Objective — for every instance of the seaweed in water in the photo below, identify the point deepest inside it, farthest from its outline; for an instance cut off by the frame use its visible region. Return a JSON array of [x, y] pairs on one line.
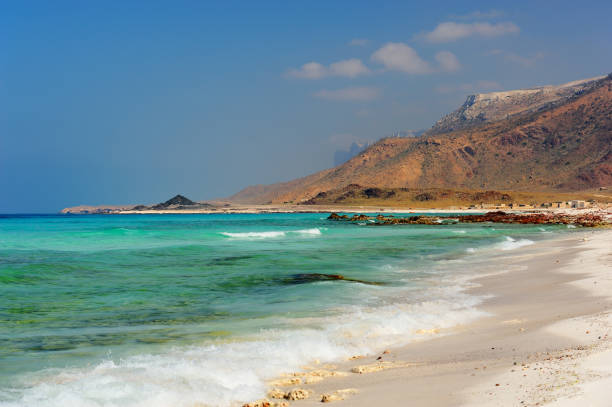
[[303, 278]]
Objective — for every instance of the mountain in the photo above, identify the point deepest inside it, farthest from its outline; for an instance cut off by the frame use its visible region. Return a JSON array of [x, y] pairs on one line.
[[488, 107], [554, 138], [177, 200]]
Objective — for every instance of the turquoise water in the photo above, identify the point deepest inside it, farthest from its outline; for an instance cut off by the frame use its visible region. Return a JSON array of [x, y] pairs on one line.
[[179, 309]]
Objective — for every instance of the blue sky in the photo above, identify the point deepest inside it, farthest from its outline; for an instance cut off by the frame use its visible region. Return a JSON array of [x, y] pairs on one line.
[[133, 102]]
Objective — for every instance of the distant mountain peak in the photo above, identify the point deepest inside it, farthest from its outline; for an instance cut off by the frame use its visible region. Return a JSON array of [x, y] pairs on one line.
[[176, 200]]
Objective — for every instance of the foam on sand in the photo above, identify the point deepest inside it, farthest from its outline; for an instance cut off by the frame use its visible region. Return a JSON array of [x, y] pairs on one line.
[[511, 243]]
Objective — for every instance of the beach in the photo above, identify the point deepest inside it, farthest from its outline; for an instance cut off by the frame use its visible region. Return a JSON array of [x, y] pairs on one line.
[[224, 309], [545, 341]]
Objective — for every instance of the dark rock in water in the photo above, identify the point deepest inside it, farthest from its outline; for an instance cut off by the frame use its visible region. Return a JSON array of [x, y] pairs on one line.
[[229, 260], [303, 278], [360, 218], [586, 220], [313, 277], [335, 216]]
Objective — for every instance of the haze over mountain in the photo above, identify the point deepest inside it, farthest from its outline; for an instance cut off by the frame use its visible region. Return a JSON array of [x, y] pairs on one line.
[[553, 138]]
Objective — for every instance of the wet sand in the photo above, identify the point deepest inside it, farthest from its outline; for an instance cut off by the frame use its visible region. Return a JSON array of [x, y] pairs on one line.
[[546, 340]]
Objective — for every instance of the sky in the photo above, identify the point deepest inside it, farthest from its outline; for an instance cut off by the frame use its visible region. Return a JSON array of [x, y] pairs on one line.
[[126, 102]]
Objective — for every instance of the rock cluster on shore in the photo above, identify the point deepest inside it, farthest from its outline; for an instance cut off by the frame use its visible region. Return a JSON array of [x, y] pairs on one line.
[[585, 220]]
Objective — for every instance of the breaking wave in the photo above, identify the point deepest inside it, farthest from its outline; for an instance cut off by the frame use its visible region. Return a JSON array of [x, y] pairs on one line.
[[273, 234], [224, 374], [511, 244]]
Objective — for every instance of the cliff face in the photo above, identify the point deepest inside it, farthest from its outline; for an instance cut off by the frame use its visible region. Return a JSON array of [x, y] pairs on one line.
[[489, 107], [532, 140]]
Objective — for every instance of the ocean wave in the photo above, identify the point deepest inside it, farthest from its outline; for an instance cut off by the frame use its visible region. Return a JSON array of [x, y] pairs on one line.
[[511, 244], [224, 374], [272, 234]]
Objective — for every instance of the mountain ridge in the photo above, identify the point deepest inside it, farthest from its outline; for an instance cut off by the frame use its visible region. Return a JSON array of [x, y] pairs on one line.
[[493, 106], [555, 143]]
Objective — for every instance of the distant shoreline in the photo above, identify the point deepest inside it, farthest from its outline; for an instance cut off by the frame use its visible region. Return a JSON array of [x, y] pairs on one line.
[[254, 209]]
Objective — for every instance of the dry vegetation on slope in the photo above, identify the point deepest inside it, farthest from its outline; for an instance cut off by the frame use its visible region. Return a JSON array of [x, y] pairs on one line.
[[567, 147], [356, 195]]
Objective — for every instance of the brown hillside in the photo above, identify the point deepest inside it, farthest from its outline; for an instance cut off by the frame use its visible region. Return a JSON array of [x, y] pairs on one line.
[[566, 147]]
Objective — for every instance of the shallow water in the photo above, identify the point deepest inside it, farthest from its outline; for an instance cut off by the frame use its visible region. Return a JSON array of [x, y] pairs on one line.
[[158, 310]]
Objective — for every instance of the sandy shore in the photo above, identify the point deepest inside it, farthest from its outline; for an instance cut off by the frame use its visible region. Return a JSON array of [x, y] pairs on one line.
[[546, 340]]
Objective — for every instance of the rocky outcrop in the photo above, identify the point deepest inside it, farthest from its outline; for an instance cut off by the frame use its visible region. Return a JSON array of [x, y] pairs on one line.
[[178, 202], [584, 220], [489, 107], [95, 210], [175, 202]]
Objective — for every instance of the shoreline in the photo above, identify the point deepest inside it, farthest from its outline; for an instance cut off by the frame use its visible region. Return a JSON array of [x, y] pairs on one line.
[[604, 211], [548, 321], [389, 207]]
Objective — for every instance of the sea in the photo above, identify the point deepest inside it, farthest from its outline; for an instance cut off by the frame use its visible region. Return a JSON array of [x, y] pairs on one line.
[[203, 309]]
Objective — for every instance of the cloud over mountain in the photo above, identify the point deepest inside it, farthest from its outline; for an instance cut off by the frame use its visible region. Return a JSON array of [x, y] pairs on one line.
[[448, 61], [397, 56], [451, 31], [349, 68]]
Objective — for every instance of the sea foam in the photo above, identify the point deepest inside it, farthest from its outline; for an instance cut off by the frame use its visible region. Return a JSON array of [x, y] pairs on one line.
[[511, 243], [223, 374], [272, 234]]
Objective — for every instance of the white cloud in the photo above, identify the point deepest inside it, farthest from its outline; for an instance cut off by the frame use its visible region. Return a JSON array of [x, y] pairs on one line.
[[359, 42], [349, 68], [310, 70], [478, 86], [398, 56], [448, 61], [451, 31], [352, 94]]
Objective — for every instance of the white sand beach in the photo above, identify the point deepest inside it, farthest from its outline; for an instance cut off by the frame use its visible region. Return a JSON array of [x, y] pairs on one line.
[[546, 341]]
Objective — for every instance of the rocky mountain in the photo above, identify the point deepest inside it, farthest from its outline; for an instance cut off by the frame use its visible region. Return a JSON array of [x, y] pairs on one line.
[[489, 107], [556, 138], [177, 202]]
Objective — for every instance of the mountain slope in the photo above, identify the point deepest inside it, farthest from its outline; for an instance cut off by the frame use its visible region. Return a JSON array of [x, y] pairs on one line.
[[489, 107], [560, 145]]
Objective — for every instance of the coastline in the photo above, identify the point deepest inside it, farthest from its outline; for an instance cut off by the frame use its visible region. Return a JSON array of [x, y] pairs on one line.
[[547, 329], [605, 212]]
